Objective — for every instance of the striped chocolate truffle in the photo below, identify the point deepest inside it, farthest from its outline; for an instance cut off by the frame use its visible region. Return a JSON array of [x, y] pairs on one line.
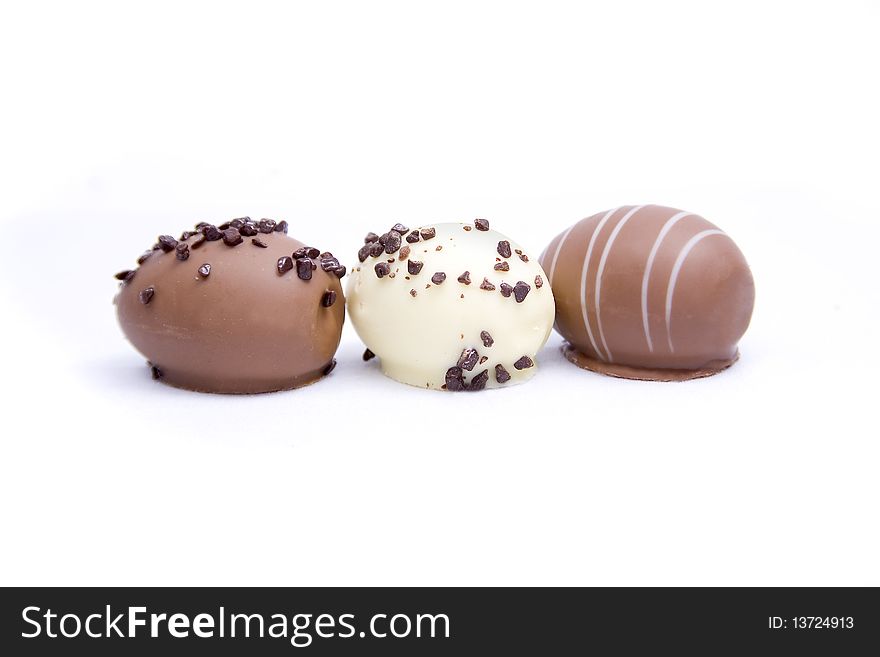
[[649, 292]]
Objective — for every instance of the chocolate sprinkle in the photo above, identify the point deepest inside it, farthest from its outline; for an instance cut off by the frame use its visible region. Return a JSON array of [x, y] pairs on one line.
[[146, 295], [281, 227], [414, 267], [312, 252], [413, 237], [392, 243], [521, 291], [413, 293], [260, 243], [487, 339], [144, 256], [539, 282], [399, 228], [284, 265], [404, 253], [330, 367], [376, 249], [304, 268], [506, 290], [167, 243], [328, 299], [300, 253], [454, 379], [368, 355], [248, 230], [370, 238], [502, 266], [428, 233], [483, 359], [198, 242], [364, 252], [486, 285], [504, 249], [501, 374], [524, 363], [465, 278], [212, 233], [382, 269], [481, 224], [468, 359], [124, 276], [523, 257], [205, 270], [438, 278], [182, 252], [479, 381], [267, 226], [231, 237], [155, 372]]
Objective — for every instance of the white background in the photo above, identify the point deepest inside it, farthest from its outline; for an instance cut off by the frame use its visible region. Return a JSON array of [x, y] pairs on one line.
[[121, 121]]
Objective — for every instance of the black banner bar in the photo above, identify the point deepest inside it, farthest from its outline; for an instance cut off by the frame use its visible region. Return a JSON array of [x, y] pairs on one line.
[[411, 621]]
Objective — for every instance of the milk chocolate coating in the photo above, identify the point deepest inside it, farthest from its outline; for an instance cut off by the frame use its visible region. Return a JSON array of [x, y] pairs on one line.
[[649, 292], [226, 318]]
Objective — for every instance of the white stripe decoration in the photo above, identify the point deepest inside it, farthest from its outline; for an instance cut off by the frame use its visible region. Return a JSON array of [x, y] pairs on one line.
[[552, 271], [673, 278], [595, 234], [650, 265], [602, 261]]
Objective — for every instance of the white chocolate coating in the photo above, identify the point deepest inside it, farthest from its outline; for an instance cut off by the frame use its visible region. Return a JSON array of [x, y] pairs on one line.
[[419, 338]]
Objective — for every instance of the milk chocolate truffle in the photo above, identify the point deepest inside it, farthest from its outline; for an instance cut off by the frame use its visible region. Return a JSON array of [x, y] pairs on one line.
[[649, 292], [452, 306], [235, 308]]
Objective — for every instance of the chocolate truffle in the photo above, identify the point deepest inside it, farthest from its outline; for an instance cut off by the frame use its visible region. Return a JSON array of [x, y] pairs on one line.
[[440, 314], [649, 292], [234, 316]]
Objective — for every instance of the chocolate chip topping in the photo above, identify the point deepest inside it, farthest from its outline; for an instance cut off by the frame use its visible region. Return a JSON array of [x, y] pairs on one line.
[[146, 295], [392, 243], [304, 268], [370, 238], [506, 290], [312, 252], [501, 374], [124, 276], [467, 229], [404, 253], [465, 278], [413, 237], [155, 372], [145, 256], [382, 269], [502, 266], [481, 224], [413, 293], [284, 265], [231, 237], [330, 367], [198, 242], [205, 270], [267, 226], [260, 243], [504, 249], [524, 363], [479, 381], [454, 379], [486, 285], [438, 278], [281, 227], [368, 355], [185, 235], [182, 252], [487, 339], [414, 267], [523, 257], [167, 243], [521, 291], [539, 282], [248, 230], [428, 233], [376, 249], [328, 299], [212, 233], [468, 359], [399, 228], [364, 252]]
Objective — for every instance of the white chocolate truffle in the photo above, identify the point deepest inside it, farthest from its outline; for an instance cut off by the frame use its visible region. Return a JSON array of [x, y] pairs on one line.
[[451, 306]]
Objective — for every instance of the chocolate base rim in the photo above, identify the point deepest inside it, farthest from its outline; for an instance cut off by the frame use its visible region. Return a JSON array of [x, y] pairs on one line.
[[618, 371], [302, 381]]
